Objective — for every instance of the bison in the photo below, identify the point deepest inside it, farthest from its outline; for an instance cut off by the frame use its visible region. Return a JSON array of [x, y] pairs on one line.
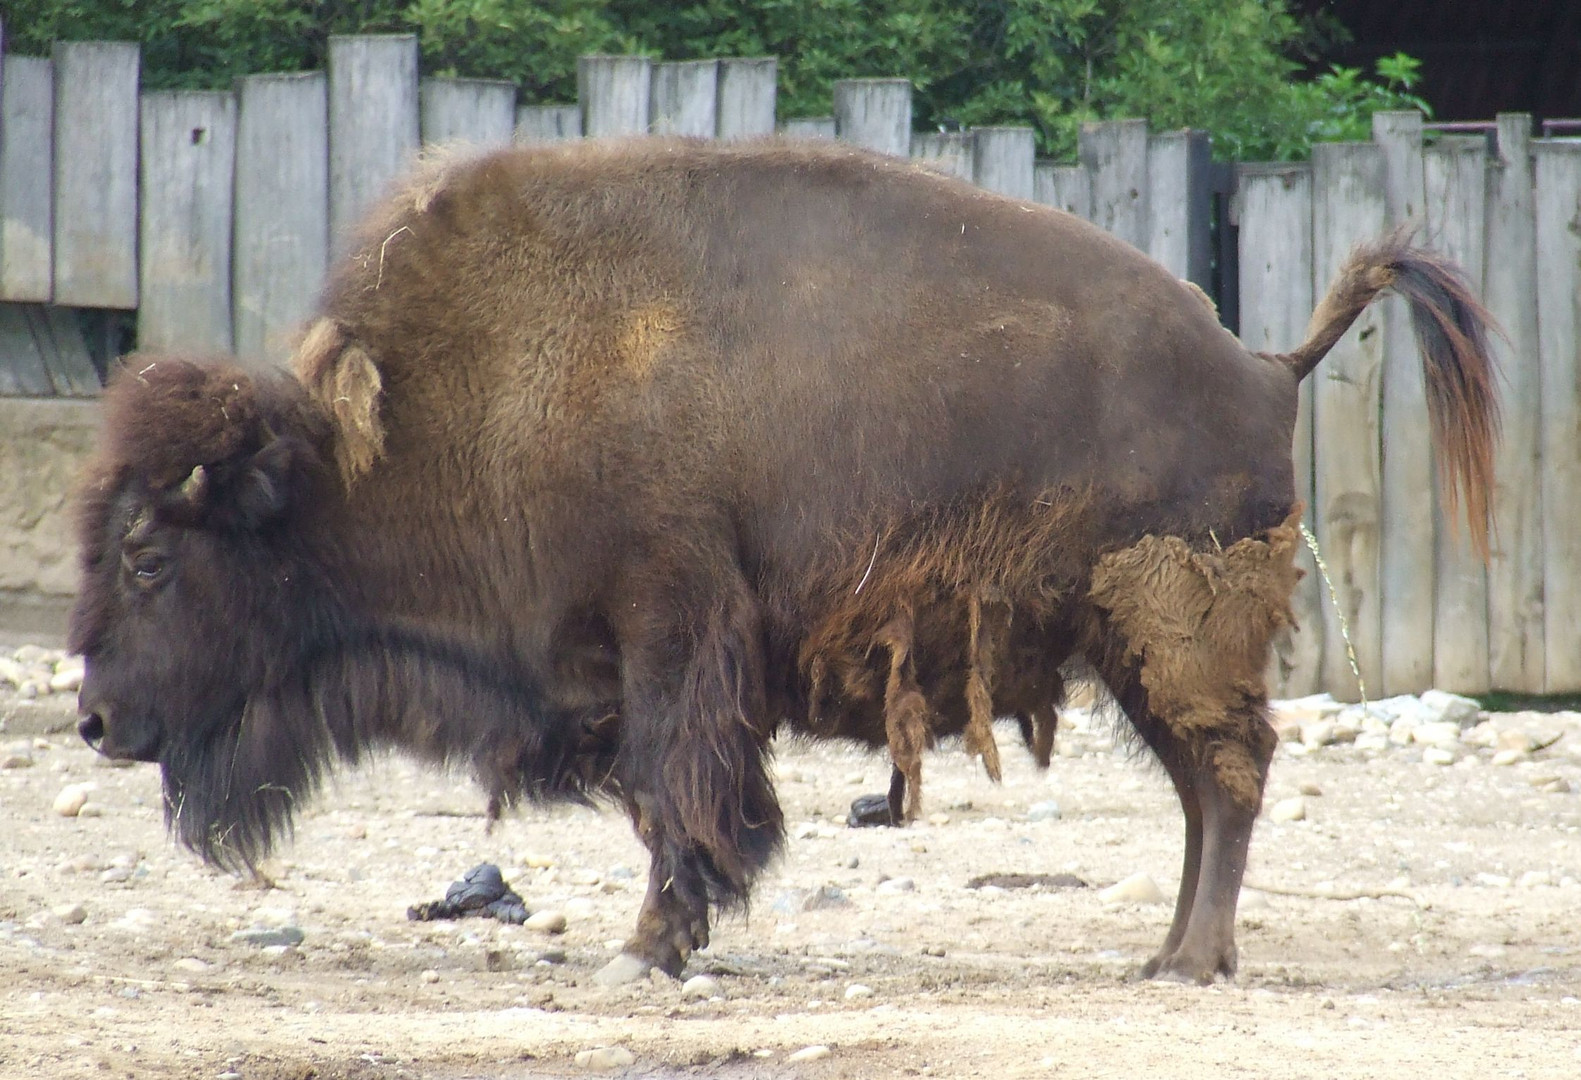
[[601, 464]]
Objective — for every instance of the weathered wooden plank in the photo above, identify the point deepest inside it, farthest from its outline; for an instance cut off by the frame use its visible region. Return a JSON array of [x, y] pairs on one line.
[[809, 127], [1455, 174], [684, 98], [1406, 531], [477, 111], [281, 237], [1068, 187], [1180, 204], [27, 163], [1347, 208], [614, 92], [548, 123], [1273, 208], [64, 349], [1003, 159], [1515, 572], [95, 189], [952, 153], [1115, 156], [22, 371], [748, 89], [1558, 209], [373, 121], [875, 113], [184, 228]]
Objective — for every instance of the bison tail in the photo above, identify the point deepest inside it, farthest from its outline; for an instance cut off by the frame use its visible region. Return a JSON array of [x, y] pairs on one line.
[[1452, 329]]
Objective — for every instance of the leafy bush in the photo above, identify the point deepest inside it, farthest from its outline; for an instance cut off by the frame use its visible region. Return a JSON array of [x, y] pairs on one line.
[[1228, 66]]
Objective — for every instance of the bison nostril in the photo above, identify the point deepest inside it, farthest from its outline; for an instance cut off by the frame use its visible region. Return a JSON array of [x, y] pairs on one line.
[[91, 728]]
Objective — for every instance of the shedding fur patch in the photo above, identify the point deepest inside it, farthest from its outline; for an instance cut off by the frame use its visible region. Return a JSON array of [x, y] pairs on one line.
[[347, 383], [979, 733], [1201, 623], [905, 711]]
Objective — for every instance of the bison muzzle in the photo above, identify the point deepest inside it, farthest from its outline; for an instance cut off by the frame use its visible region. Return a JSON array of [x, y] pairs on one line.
[[601, 464]]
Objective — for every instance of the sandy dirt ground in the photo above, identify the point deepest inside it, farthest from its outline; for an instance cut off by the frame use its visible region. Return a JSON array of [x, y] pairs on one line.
[[122, 956]]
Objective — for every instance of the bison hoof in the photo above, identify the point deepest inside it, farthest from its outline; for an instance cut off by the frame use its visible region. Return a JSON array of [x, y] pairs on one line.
[[1183, 968], [622, 970], [870, 811]]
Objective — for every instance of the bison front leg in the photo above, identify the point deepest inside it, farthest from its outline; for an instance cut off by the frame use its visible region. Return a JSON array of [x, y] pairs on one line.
[[693, 760]]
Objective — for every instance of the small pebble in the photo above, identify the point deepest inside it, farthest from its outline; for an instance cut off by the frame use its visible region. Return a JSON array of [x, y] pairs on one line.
[[1311, 789], [1437, 755], [71, 800], [808, 1053], [1509, 757], [70, 914], [897, 885], [429, 976], [940, 818], [191, 964], [605, 1059], [1291, 809], [17, 760], [1047, 810], [856, 991], [546, 922], [265, 937], [700, 986], [1136, 889], [1534, 878]]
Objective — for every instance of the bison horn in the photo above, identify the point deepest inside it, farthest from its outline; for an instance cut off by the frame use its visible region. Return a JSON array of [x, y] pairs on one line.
[[196, 483]]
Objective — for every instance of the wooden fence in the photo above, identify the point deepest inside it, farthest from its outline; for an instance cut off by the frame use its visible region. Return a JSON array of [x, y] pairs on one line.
[[214, 215]]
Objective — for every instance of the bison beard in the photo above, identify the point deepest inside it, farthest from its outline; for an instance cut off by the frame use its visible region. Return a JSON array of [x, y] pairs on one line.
[[601, 464]]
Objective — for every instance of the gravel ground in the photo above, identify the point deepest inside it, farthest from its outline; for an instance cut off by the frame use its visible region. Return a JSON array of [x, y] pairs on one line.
[[1418, 916]]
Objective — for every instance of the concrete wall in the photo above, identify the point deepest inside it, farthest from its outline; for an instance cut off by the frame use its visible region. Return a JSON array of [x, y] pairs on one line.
[[44, 443]]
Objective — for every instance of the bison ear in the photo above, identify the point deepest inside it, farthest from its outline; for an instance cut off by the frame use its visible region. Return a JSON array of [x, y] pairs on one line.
[[263, 484]]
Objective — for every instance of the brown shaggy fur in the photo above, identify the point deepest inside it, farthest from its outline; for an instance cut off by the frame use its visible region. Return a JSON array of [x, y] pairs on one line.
[[603, 462]]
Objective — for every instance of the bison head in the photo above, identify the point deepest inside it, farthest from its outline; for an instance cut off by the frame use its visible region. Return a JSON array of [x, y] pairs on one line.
[[198, 603]]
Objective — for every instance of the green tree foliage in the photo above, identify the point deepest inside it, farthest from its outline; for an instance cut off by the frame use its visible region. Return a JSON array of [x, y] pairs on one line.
[[1229, 66]]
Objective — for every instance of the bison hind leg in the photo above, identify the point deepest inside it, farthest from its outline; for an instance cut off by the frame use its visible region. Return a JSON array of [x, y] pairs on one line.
[[1185, 639]]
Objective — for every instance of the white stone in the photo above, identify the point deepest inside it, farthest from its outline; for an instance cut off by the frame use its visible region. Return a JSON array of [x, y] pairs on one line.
[[1509, 757], [547, 921], [897, 885], [70, 914], [1136, 889], [857, 990], [1533, 879], [1443, 707], [700, 986], [191, 964], [1437, 755], [623, 969], [429, 975], [72, 798], [808, 1053], [1318, 733], [605, 1059], [1047, 810], [66, 680], [1440, 733], [1493, 881], [1291, 809]]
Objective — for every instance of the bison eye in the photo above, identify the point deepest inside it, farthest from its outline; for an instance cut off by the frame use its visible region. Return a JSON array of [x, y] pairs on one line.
[[146, 565]]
